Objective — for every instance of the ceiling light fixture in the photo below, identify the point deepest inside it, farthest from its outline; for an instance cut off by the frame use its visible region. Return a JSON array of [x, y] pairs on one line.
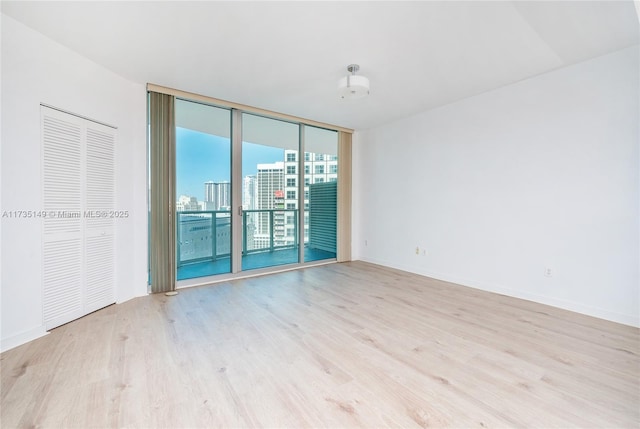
[[352, 87]]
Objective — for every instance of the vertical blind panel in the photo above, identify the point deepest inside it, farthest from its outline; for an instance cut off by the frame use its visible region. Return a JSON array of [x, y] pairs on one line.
[[62, 281], [162, 151], [344, 197], [99, 257], [62, 150]]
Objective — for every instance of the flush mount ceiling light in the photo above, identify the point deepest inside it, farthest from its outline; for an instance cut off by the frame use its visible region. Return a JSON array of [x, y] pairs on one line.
[[352, 87]]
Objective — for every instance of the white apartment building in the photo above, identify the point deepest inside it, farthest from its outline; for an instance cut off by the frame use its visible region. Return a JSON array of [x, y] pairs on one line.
[[276, 186], [217, 195], [269, 195], [249, 192], [187, 203], [318, 168]]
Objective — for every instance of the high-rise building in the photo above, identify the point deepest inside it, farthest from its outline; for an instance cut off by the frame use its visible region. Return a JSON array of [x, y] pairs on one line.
[[186, 203], [318, 168], [270, 178], [249, 192], [217, 195], [208, 193], [269, 196], [275, 186]]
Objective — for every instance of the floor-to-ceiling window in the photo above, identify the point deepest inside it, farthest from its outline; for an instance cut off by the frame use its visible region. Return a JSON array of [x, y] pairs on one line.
[[269, 189], [203, 189], [252, 191], [320, 193]]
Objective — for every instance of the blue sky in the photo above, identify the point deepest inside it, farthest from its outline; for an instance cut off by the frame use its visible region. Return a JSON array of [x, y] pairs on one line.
[[202, 157]]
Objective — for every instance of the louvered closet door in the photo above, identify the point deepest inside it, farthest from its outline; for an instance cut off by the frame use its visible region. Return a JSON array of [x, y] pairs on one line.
[[78, 233], [63, 235], [99, 218]]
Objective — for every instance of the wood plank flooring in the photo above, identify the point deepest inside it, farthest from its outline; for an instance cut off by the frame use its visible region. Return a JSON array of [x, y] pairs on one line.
[[338, 346]]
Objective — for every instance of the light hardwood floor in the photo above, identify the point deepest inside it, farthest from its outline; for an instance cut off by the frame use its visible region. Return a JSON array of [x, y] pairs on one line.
[[342, 345]]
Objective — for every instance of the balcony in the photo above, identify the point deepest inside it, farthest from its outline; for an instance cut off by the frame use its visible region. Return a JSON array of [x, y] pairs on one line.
[[269, 238]]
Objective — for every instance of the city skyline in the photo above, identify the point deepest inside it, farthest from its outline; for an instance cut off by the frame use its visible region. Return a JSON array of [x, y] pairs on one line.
[[271, 199], [202, 157]]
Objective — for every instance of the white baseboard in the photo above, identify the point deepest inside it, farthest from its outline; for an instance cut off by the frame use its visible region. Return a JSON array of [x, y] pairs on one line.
[[22, 338], [576, 307]]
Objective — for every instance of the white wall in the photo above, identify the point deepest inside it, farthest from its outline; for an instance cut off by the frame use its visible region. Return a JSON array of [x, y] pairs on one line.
[[37, 70], [498, 187]]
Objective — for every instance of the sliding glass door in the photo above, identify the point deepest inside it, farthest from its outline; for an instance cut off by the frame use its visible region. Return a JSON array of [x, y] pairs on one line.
[[203, 190], [269, 192], [252, 192], [320, 193], [289, 201]]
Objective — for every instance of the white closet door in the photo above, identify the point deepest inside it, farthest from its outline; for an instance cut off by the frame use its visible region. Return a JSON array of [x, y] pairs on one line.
[[78, 200], [100, 217], [63, 236]]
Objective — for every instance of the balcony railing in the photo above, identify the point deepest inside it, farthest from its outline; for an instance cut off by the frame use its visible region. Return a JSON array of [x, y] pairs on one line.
[[269, 230], [206, 235], [203, 235]]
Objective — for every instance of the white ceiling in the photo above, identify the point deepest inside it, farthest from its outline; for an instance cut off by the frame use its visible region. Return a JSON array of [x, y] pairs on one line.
[[288, 56]]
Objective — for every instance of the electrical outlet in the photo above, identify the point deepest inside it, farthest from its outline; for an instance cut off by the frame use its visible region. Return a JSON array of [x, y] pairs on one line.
[[366, 243], [417, 250], [548, 272]]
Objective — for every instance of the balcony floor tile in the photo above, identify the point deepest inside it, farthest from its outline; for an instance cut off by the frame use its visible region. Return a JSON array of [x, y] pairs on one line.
[[251, 262]]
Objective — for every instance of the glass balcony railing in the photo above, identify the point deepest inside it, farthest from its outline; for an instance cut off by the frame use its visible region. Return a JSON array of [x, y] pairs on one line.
[[206, 235], [203, 236], [269, 238], [269, 230]]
